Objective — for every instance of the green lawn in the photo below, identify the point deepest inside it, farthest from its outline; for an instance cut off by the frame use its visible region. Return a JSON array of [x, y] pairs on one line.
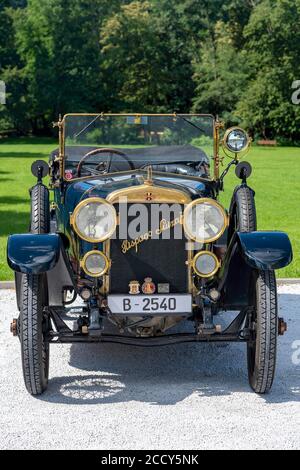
[[15, 180], [275, 179]]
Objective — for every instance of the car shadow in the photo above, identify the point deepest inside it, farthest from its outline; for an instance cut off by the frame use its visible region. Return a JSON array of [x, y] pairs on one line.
[[13, 200], [170, 374], [29, 155], [162, 376], [13, 221]]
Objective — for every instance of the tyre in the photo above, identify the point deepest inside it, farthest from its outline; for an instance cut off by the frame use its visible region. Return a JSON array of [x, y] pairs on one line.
[[40, 213], [33, 321], [33, 329], [242, 211], [263, 325]]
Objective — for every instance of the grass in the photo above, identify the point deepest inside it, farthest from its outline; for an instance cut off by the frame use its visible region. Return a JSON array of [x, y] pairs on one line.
[[16, 157], [275, 179]]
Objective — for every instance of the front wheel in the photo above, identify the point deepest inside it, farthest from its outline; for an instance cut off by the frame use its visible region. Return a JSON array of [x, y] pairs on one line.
[[33, 329], [263, 324]]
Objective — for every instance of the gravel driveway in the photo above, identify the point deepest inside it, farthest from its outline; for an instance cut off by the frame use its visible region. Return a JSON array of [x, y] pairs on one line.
[[120, 397]]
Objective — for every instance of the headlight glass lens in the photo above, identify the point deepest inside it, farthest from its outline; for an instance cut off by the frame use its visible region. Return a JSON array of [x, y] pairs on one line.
[[237, 140], [206, 264], [205, 221], [95, 220], [95, 263]]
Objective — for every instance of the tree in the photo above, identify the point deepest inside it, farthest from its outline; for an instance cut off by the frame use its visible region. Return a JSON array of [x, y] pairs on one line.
[[149, 47], [220, 73], [13, 113], [58, 42], [272, 47], [140, 60]]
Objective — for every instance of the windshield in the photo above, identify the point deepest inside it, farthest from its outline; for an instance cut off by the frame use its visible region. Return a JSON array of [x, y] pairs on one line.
[[141, 140]]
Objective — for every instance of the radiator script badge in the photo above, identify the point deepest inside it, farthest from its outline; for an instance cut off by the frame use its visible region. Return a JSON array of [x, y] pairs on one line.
[[134, 287], [163, 227]]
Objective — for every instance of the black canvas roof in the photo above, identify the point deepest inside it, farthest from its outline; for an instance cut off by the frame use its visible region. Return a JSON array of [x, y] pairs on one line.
[[146, 155]]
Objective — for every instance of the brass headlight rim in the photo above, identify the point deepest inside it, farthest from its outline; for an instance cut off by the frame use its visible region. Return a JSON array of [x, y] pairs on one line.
[[79, 207], [224, 141], [213, 203], [198, 255], [95, 252]]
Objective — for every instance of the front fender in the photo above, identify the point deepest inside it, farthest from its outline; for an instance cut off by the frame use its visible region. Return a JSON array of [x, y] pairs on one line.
[[265, 250], [33, 254]]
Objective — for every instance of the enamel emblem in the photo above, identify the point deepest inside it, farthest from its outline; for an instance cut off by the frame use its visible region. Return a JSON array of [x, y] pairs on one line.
[[148, 287], [134, 287], [149, 196]]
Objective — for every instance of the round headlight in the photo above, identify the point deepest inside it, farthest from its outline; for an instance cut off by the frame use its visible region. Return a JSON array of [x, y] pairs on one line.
[[236, 140], [95, 263], [206, 264], [205, 220], [94, 220]]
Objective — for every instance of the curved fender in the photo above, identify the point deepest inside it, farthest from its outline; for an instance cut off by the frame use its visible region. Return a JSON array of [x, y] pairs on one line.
[[265, 250], [33, 254]]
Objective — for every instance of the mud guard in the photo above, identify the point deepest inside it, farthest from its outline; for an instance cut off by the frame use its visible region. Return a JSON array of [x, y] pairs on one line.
[[33, 254], [265, 250], [249, 251], [38, 254]]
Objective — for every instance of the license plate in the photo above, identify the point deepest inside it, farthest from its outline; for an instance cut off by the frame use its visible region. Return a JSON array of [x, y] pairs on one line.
[[150, 304]]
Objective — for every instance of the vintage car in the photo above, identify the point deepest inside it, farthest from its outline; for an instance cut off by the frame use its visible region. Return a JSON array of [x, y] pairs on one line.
[[134, 231]]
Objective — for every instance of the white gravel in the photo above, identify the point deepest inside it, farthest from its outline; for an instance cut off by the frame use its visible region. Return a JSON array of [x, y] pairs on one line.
[[121, 397]]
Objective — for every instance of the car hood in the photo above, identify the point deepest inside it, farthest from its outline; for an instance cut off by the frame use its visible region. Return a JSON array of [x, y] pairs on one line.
[[103, 187]]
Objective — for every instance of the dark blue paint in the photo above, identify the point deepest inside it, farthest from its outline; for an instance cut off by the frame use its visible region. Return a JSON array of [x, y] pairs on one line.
[[33, 254], [75, 192], [100, 187], [265, 250]]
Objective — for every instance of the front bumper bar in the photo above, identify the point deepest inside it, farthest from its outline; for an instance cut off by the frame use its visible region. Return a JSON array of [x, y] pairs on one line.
[[165, 340], [63, 334]]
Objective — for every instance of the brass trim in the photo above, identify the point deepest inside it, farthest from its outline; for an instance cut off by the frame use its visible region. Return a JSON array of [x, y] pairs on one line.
[[149, 179], [224, 141], [61, 156], [106, 278], [175, 115], [138, 194], [217, 149], [141, 194], [95, 252], [213, 203], [143, 174], [212, 273], [79, 207], [61, 125]]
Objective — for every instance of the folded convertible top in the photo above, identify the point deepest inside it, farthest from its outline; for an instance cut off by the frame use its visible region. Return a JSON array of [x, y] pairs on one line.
[[140, 156]]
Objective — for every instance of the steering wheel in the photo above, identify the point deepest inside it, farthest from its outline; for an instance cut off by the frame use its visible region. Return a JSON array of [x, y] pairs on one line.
[[105, 167]]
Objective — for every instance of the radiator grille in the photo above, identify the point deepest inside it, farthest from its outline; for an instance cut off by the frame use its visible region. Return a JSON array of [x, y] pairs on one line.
[[162, 260]]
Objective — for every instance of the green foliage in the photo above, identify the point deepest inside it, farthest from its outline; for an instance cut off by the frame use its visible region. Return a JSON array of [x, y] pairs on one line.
[[220, 74], [235, 58], [272, 47], [150, 67]]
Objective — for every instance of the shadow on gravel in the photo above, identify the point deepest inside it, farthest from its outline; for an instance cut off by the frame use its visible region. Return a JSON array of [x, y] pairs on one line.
[[165, 376]]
